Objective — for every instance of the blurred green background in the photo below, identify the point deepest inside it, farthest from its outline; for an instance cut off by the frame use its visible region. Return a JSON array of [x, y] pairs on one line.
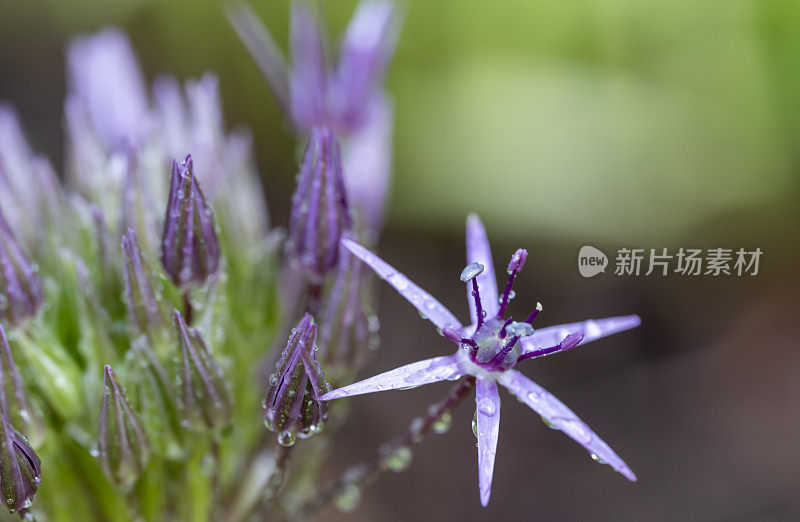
[[617, 123]]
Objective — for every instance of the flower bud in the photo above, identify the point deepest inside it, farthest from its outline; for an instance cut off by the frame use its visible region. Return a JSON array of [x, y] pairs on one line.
[[205, 395], [122, 445], [291, 406], [20, 469], [189, 245], [13, 401], [348, 327], [144, 312], [20, 287], [319, 207]]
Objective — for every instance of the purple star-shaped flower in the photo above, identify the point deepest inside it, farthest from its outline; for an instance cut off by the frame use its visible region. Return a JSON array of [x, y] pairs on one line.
[[489, 349]]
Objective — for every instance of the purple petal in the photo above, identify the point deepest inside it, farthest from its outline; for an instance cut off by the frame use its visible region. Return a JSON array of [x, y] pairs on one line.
[[556, 413], [429, 307], [105, 74], [487, 403], [309, 71], [366, 50], [263, 49], [367, 162], [478, 251], [408, 376], [592, 329]]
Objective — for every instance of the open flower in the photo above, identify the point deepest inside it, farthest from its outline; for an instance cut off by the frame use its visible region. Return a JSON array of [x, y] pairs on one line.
[[489, 349]]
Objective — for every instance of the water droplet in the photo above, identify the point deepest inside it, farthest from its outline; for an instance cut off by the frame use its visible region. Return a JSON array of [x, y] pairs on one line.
[[487, 406], [399, 459], [347, 499], [399, 281], [511, 295], [475, 423], [287, 439], [597, 458], [443, 423]]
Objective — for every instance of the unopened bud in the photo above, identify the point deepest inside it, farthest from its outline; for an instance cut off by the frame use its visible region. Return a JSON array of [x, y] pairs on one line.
[[122, 445], [13, 401], [205, 394], [291, 407], [144, 312], [348, 328], [189, 246], [20, 288], [319, 206], [20, 469]]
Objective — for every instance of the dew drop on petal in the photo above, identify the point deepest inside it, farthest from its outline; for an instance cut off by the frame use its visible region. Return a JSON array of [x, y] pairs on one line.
[[487, 406]]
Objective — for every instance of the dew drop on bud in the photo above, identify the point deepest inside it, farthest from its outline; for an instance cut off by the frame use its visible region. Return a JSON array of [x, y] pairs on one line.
[[287, 439]]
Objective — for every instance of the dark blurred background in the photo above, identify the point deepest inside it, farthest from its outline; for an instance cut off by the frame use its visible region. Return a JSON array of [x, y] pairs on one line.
[[614, 123]]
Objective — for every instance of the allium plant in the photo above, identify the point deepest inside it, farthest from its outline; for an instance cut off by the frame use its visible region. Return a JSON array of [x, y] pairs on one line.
[[143, 294]]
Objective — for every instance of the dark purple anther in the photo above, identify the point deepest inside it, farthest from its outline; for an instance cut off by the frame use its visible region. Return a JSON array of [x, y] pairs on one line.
[[189, 246], [514, 267], [569, 342], [20, 288], [320, 213], [122, 446], [205, 394], [291, 407], [20, 469]]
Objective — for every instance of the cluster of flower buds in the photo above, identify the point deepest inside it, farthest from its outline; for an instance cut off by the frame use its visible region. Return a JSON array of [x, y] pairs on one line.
[[189, 245], [292, 407], [319, 207]]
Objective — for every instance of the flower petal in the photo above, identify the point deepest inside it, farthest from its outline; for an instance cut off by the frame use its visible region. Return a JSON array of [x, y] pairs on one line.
[[263, 49], [367, 48], [308, 74], [408, 376], [592, 329], [429, 307], [478, 251], [557, 414], [487, 403]]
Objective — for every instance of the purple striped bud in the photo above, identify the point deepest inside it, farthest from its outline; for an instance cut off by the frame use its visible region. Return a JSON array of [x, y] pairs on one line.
[[205, 394], [13, 401], [319, 207], [20, 287], [189, 245], [144, 313], [291, 407], [122, 445], [348, 329], [20, 469]]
